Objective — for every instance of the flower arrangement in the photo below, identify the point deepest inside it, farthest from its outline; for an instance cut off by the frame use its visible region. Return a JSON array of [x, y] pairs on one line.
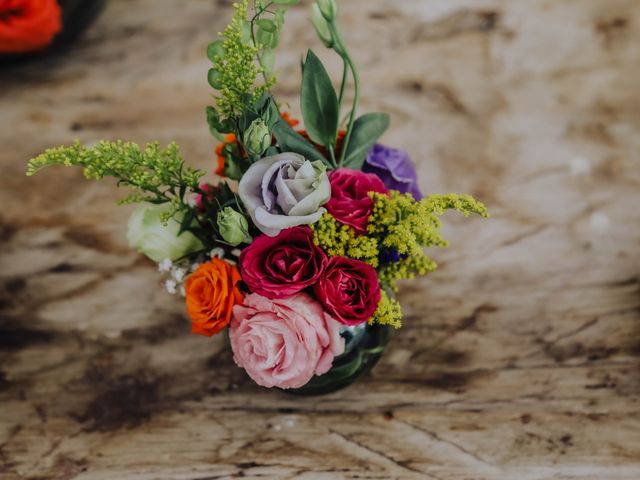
[[304, 237]]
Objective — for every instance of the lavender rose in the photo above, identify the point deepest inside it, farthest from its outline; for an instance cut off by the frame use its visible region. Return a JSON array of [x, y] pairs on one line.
[[283, 191], [395, 169]]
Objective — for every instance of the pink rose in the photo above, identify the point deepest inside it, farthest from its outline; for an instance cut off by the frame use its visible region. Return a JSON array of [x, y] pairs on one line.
[[278, 267], [284, 343], [349, 290], [350, 203]]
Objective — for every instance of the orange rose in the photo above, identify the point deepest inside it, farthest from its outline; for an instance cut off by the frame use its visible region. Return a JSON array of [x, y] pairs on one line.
[[212, 291], [28, 25]]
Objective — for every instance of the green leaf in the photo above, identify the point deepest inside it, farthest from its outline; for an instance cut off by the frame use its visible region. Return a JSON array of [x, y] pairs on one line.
[[267, 39], [319, 102], [279, 17], [267, 25], [291, 141], [286, 2], [214, 78], [245, 30], [213, 120], [268, 60], [188, 219], [215, 50], [366, 131]]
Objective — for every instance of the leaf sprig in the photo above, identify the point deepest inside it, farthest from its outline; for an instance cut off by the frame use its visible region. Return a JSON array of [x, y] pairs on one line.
[[157, 175]]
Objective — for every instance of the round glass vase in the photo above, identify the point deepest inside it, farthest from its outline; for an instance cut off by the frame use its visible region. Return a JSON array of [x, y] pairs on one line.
[[364, 345]]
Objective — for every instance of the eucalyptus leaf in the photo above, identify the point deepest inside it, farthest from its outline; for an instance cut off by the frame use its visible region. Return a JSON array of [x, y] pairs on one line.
[[246, 33], [268, 60], [319, 102], [214, 78], [267, 39], [267, 25], [215, 50], [279, 17], [366, 131]]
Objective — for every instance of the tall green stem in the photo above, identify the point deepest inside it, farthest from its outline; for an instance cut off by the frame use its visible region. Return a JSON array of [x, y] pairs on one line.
[[352, 117], [259, 11], [343, 85], [340, 48]]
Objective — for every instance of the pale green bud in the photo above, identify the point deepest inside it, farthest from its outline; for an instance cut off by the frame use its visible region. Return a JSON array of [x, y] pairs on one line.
[[157, 239], [321, 25], [257, 138], [329, 9], [233, 227]]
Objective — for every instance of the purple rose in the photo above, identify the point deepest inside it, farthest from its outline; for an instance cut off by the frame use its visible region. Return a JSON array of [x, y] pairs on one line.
[[395, 169]]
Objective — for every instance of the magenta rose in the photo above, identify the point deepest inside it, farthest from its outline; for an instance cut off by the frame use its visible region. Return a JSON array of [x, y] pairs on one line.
[[349, 290], [284, 343], [350, 203], [278, 267]]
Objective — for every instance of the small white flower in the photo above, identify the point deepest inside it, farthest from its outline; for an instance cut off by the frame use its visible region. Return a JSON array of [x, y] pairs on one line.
[[183, 291], [217, 253], [165, 265], [171, 286], [178, 274], [194, 266]]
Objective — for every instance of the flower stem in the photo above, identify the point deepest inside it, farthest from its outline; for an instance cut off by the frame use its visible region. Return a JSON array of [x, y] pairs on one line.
[[343, 85], [348, 62], [332, 154]]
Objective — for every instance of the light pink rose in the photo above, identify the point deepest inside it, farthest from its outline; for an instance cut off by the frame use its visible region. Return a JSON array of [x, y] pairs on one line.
[[284, 343]]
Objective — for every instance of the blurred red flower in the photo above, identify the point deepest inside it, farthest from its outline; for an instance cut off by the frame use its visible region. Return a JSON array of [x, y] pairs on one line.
[[28, 25]]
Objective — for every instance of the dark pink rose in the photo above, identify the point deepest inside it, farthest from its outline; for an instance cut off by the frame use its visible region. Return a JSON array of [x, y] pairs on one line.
[[349, 290], [280, 266], [350, 203]]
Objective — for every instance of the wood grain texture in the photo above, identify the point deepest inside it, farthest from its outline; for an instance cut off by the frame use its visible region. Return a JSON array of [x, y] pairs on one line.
[[519, 357]]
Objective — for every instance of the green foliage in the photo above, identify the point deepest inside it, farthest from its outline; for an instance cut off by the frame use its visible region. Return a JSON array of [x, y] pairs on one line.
[[242, 55], [234, 71], [389, 312], [366, 131], [156, 175], [337, 239], [319, 102]]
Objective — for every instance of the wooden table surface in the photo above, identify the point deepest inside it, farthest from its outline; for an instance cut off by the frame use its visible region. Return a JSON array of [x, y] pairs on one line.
[[518, 359]]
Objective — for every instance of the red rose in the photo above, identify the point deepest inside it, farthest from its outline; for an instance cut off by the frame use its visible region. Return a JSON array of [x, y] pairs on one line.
[[28, 25], [350, 203], [349, 290], [280, 266]]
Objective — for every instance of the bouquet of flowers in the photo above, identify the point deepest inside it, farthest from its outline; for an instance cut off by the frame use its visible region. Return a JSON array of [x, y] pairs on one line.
[[298, 247]]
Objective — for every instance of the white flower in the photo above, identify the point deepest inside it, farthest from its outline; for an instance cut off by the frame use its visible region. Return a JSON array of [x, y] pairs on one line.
[[217, 253], [171, 286], [283, 191], [165, 265], [148, 235], [178, 274]]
